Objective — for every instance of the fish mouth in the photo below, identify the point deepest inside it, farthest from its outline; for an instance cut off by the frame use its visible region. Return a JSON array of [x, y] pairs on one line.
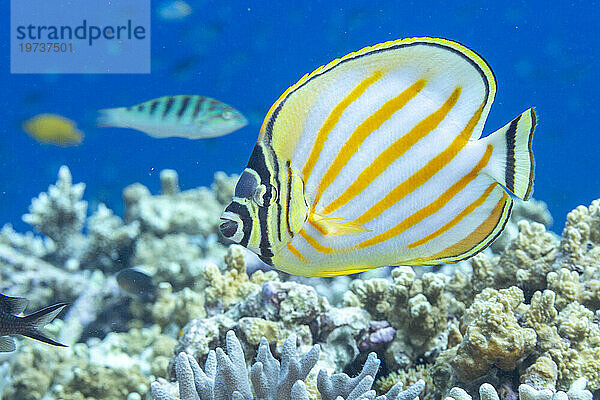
[[242, 121], [228, 227]]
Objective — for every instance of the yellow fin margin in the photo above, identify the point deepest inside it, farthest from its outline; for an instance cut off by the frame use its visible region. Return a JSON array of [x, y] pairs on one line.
[[354, 270]]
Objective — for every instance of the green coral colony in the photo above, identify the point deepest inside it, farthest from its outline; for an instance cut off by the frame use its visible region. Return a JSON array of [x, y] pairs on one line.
[[520, 319]]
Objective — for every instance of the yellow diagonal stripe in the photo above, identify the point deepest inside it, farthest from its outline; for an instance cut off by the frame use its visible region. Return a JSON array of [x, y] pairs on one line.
[[316, 245], [424, 174], [297, 253], [368, 126], [332, 120], [434, 207], [481, 233], [468, 210], [393, 152]]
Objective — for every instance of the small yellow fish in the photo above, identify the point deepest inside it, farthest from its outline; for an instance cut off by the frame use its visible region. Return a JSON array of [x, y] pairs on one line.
[[377, 159], [187, 116], [53, 129]]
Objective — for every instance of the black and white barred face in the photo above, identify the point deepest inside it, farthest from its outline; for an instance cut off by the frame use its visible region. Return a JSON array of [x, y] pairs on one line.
[[237, 225], [246, 220]]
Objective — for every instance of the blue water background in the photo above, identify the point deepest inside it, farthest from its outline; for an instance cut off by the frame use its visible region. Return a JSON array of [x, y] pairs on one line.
[[246, 53]]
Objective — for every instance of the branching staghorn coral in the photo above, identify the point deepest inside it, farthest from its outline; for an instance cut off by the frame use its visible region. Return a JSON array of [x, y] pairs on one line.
[[225, 376], [341, 386], [409, 377]]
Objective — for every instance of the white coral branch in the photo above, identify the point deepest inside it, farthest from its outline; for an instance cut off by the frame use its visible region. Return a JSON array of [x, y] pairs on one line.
[[225, 376]]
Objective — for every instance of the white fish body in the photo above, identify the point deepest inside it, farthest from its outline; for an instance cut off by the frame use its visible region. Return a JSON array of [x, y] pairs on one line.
[[187, 116]]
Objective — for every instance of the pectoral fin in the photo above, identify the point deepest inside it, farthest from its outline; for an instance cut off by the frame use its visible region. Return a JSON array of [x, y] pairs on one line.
[[335, 226]]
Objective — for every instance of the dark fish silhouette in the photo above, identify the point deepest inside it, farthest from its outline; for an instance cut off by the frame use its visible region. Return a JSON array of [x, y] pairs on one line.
[[30, 325], [137, 282]]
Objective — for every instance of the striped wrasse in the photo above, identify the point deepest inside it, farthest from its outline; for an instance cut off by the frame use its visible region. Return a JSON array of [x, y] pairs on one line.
[[187, 116], [377, 159]]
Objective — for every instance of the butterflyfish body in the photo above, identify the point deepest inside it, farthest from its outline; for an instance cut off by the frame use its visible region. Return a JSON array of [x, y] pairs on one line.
[[376, 159], [53, 129], [187, 116]]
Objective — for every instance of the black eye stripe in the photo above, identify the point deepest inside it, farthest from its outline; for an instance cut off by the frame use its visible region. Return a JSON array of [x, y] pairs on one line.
[[246, 185], [265, 195], [257, 163]]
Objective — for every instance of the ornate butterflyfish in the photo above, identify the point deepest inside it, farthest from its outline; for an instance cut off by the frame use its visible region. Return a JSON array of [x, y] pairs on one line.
[[187, 116], [377, 159]]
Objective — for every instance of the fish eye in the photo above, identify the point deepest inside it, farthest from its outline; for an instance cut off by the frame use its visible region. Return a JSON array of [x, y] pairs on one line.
[[265, 195], [226, 115]]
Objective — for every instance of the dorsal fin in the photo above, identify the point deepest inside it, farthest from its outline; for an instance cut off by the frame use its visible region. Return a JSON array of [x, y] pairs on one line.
[[13, 305], [284, 123]]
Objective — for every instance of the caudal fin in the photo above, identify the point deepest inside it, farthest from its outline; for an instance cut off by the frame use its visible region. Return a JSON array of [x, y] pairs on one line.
[[109, 117], [512, 162], [36, 321]]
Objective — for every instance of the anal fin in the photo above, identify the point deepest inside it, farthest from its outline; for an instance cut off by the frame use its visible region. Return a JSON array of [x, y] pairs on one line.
[[7, 344], [349, 271]]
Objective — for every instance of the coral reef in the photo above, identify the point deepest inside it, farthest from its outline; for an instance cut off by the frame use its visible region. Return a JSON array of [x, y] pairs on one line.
[[577, 391], [73, 261], [253, 306], [522, 317], [492, 335], [225, 376], [109, 243], [193, 212], [408, 377], [415, 308], [60, 213], [112, 368], [580, 243]]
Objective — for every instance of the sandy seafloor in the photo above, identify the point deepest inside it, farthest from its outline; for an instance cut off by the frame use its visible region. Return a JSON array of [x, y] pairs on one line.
[[519, 320]]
